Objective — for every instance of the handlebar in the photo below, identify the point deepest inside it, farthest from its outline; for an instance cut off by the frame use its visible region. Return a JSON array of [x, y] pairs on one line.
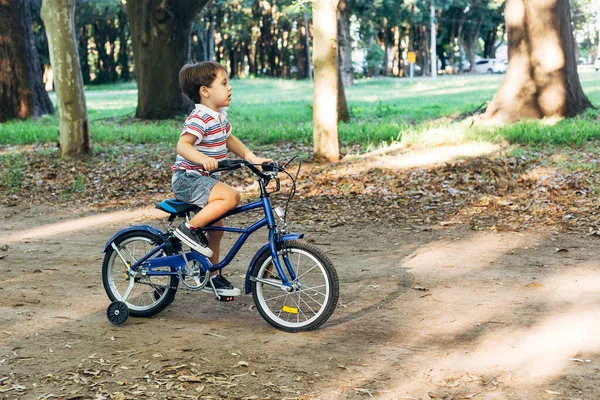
[[270, 170], [230, 165]]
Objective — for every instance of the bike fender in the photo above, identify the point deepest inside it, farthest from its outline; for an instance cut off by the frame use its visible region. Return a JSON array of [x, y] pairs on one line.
[[146, 228], [265, 248]]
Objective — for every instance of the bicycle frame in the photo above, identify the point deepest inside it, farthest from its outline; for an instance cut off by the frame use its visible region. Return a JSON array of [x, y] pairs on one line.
[[178, 261]]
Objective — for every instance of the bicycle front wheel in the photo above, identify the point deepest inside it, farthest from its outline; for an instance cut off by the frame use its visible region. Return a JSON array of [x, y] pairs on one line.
[[315, 294], [149, 294]]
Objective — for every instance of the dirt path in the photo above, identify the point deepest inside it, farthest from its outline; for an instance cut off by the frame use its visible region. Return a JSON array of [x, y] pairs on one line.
[[423, 314]]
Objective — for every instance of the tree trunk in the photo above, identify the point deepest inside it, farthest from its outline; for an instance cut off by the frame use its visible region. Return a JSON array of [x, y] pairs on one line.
[[233, 60], [22, 92], [386, 46], [250, 48], [325, 51], [452, 36], [160, 33], [423, 44], [541, 79], [397, 49], [210, 35], [105, 64], [461, 42], [345, 43], [342, 106], [82, 45], [308, 57], [300, 53], [123, 60], [472, 42], [73, 123], [489, 47]]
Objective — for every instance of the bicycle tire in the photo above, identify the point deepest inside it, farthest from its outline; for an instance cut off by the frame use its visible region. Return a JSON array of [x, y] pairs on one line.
[[305, 309], [150, 294]]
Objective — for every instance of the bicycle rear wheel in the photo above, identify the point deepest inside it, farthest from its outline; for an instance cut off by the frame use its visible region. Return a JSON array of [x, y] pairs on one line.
[[150, 294], [315, 295]]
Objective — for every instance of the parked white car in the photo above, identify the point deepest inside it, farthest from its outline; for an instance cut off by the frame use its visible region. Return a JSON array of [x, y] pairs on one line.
[[490, 66], [597, 64]]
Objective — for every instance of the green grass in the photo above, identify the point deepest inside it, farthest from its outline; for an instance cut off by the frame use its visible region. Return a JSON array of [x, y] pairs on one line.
[[383, 111]]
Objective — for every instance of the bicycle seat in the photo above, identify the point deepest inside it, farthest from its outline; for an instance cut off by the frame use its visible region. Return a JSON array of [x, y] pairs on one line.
[[178, 207]]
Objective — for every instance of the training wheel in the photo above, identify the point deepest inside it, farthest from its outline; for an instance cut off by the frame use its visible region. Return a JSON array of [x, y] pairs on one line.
[[117, 312]]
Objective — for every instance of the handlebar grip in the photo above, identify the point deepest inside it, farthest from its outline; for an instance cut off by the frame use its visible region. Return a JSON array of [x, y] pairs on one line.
[[233, 164], [271, 166]]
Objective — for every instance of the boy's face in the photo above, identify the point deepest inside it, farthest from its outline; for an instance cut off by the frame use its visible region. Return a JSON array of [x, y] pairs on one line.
[[218, 95]]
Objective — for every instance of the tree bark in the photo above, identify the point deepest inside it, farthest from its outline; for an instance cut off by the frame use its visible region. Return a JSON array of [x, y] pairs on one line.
[[461, 42], [22, 92], [308, 57], [210, 35], [386, 45], [452, 36], [73, 123], [541, 79], [82, 44], [489, 47], [123, 60], [345, 43], [472, 39], [160, 33], [342, 106], [300, 53], [325, 52]]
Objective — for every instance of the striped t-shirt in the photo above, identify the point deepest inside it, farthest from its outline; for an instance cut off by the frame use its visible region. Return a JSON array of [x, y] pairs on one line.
[[211, 129]]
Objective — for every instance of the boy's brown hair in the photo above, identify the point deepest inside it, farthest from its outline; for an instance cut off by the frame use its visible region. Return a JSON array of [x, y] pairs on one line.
[[193, 76]]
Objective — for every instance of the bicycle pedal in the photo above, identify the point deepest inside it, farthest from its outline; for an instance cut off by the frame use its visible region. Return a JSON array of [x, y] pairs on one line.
[[225, 298]]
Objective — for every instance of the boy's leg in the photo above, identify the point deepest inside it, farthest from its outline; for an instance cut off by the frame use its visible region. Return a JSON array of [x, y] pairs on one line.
[[222, 199], [214, 242]]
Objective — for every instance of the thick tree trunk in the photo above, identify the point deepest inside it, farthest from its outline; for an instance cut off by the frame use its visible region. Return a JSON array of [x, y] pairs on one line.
[[345, 43], [22, 92], [160, 33], [73, 123], [541, 79], [325, 52]]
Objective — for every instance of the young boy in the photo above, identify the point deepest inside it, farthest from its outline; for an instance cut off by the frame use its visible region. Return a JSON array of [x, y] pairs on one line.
[[204, 140]]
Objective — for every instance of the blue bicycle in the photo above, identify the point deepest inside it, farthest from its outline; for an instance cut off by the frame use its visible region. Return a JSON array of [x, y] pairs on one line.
[[294, 285]]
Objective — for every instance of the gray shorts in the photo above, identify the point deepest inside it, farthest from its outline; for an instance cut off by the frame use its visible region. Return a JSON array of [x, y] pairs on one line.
[[192, 188]]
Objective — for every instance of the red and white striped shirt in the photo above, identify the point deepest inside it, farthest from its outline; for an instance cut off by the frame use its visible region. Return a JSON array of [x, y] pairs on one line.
[[211, 129]]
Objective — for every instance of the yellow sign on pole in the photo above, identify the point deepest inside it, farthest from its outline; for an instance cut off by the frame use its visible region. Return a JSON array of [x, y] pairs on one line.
[[411, 57]]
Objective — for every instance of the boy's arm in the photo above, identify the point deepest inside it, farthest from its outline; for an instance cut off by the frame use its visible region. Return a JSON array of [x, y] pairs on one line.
[[185, 148], [239, 149]]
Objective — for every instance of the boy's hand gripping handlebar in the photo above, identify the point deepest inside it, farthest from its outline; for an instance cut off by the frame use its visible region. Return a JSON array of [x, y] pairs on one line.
[[230, 165]]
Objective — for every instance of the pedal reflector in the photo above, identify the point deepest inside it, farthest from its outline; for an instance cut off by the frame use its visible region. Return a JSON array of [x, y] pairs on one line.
[[291, 310], [226, 298]]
